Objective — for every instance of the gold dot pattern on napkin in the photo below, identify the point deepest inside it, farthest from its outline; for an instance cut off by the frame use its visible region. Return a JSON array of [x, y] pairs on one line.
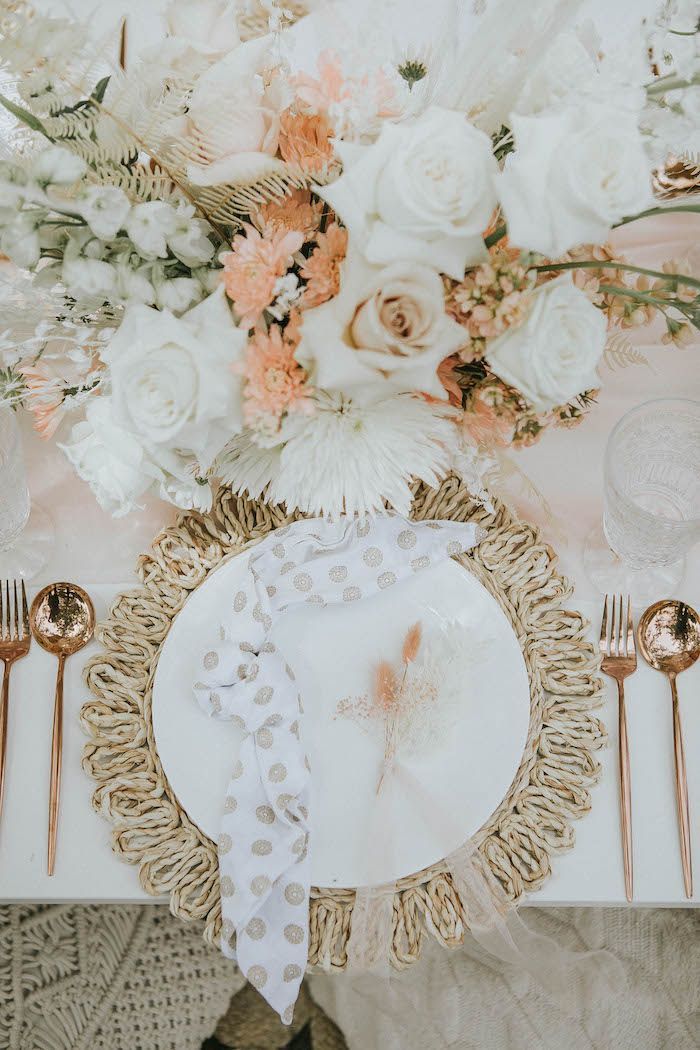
[[266, 836]]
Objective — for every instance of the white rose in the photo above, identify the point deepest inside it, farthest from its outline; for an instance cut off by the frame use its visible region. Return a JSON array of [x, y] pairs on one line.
[[576, 171], [110, 459], [424, 192], [57, 167], [20, 240], [173, 383], [385, 333], [149, 225], [88, 278], [552, 356], [105, 209], [208, 26], [233, 119]]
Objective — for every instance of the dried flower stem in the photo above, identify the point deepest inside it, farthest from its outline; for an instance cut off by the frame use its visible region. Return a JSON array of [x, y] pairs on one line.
[[390, 693], [596, 264]]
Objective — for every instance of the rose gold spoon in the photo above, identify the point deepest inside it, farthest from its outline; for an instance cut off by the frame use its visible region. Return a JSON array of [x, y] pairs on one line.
[[63, 620], [669, 637]]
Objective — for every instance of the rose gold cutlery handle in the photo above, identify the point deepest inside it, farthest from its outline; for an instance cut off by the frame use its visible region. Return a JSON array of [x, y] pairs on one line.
[[682, 793], [56, 757], [4, 704], [625, 792]]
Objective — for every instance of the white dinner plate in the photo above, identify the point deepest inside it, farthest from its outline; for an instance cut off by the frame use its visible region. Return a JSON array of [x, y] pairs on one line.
[[440, 792]]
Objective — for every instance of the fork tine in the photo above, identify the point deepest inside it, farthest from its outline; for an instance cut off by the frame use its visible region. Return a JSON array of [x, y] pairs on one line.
[[631, 644], [6, 615], [603, 644], [15, 609], [2, 614], [622, 637], [25, 611], [613, 628]]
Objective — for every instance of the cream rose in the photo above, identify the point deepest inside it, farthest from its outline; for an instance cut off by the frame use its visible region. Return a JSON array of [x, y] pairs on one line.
[[385, 333], [424, 192], [576, 171], [173, 385], [552, 356]]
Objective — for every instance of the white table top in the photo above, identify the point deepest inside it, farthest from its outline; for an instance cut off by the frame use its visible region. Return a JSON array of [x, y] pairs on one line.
[[99, 553]]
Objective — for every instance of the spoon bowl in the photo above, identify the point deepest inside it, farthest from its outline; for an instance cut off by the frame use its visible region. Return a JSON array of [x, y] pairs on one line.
[[669, 638], [63, 618], [63, 621]]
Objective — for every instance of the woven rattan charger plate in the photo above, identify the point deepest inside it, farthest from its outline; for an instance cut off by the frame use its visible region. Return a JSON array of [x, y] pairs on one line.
[[532, 822]]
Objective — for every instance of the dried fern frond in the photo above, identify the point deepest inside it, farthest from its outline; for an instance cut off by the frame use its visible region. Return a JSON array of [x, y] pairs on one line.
[[619, 353]]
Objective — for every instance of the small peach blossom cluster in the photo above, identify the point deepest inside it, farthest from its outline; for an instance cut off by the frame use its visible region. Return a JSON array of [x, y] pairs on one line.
[[679, 333], [491, 298], [351, 103], [609, 287], [286, 260], [620, 311], [332, 103]]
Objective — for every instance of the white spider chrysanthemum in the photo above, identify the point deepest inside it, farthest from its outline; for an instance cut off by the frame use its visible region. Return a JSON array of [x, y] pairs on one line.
[[347, 458], [246, 467]]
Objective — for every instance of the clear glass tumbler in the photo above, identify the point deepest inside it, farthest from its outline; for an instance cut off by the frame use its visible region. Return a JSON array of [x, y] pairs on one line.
[[651, 514], [26, 534]]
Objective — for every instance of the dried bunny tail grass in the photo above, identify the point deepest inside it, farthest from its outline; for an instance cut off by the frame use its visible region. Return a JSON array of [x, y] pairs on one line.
[[386, 686], [411, 643], [532, 823]]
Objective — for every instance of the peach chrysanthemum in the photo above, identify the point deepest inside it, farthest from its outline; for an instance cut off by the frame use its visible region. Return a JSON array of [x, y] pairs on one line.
[[297, 213], [44, 398], [322, 269], [275, 381], [253, 267], [306, 141]]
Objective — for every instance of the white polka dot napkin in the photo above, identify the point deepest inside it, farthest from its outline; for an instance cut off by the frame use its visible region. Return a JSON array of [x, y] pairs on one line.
[[264, 861]]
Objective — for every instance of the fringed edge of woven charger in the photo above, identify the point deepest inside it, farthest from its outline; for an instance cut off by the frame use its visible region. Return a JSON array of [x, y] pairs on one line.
[[533, 821]]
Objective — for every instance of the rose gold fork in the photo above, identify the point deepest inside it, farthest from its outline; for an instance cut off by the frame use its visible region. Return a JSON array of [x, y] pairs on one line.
[[620, 661], [15, 639]]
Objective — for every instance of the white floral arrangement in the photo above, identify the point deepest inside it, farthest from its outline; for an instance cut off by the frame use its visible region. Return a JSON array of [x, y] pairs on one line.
[[357, 247]]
